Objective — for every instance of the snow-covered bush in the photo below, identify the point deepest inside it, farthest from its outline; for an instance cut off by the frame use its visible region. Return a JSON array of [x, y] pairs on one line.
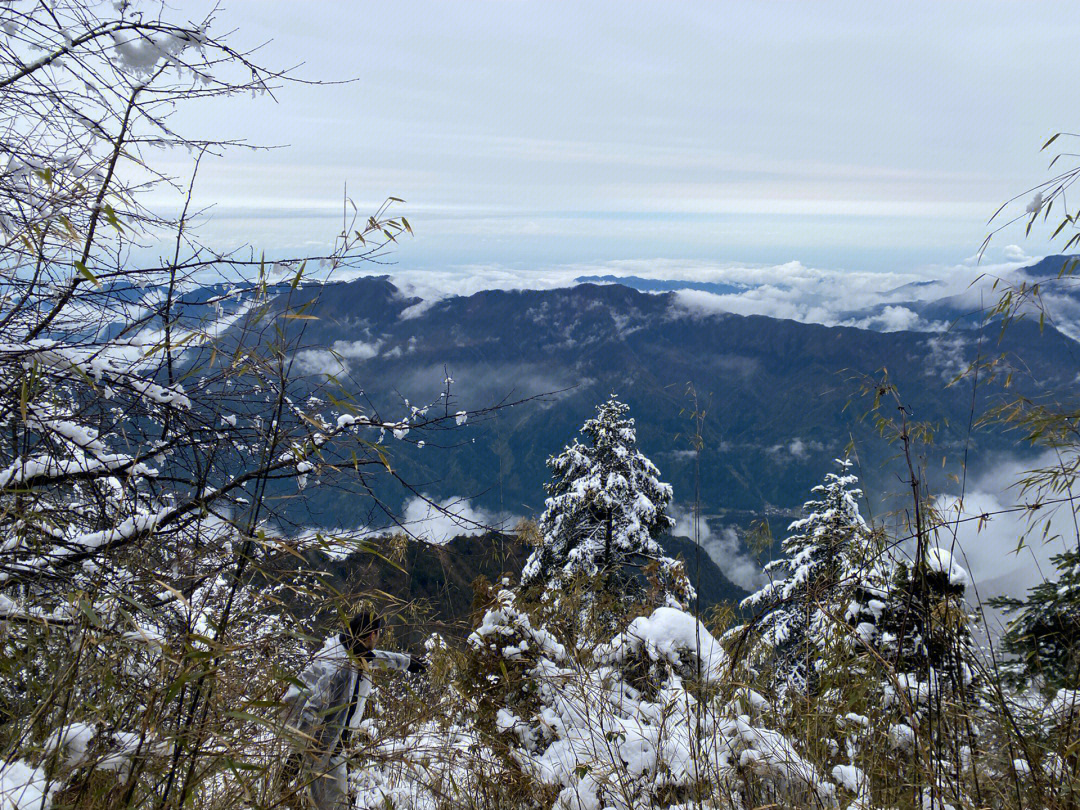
[[504, 650], [647, 718], [23, 787]]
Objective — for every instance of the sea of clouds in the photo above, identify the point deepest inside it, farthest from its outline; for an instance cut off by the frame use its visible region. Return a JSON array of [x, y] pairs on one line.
[[792, 290]]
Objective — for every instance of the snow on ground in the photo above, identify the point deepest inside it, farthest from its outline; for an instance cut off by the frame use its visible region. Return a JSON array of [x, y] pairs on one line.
[[23, 787]]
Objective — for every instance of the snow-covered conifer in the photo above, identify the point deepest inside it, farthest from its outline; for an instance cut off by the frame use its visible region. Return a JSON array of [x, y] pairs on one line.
[[1044, 633], [823, 558], [606, 509]]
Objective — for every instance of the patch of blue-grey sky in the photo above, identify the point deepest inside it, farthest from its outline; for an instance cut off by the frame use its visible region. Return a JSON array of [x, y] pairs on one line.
[[862, 137]]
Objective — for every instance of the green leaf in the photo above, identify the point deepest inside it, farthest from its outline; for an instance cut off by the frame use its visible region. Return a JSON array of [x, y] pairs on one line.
[[24, 398], [251, 718], [110, 217], [88, 610], [85, 273], [236, 765], [74, 234], [298, 276]]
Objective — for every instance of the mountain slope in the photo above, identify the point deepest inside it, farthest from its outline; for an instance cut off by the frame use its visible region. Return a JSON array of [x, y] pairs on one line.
[[781, 398]]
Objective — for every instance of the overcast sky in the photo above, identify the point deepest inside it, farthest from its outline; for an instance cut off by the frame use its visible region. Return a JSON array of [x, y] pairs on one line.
[[849, 136]]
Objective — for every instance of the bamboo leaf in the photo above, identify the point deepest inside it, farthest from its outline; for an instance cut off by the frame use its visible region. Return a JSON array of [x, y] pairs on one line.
[[85, 273], [110, 217], [298, 276]]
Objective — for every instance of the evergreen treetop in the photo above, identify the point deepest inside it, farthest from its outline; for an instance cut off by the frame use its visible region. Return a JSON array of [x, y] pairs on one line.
[[606, 505], [807, 581], [1044, 634]]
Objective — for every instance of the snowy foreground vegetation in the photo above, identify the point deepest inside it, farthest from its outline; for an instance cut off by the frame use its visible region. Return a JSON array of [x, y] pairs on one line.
[[155, 608], [855, 680]]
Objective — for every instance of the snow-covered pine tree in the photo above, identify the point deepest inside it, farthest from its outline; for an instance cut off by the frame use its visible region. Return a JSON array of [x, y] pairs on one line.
[[1044, 634], [606, 509], [822, 562]]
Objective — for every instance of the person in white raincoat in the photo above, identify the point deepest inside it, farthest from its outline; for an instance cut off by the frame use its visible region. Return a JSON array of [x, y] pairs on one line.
[[336, 687]]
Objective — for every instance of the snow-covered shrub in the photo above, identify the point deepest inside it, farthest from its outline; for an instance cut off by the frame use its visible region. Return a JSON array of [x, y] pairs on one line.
[[23, 787], [645, 718], [667, 642], [504, 649]]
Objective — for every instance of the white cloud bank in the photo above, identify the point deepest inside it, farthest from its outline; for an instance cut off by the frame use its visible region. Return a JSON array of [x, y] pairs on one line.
[[791, 290], [439, 522], [826, 296], [1005, 553], [725, 549], [797, 449], [336, 360], [1015, 253], [422, 517]]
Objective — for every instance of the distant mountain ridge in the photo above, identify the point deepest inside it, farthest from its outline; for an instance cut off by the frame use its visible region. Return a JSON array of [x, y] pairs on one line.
[[663, 285], [782, 398]]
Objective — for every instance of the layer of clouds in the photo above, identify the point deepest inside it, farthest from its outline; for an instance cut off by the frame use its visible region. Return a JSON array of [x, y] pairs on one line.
[[792, 290], [336, 360], [440, 521], [797, 449], [897, 319], [318, 362], [1015, 253], [946, 356], [724, 548], [1005, 552], [828, 296], [422, 517]]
